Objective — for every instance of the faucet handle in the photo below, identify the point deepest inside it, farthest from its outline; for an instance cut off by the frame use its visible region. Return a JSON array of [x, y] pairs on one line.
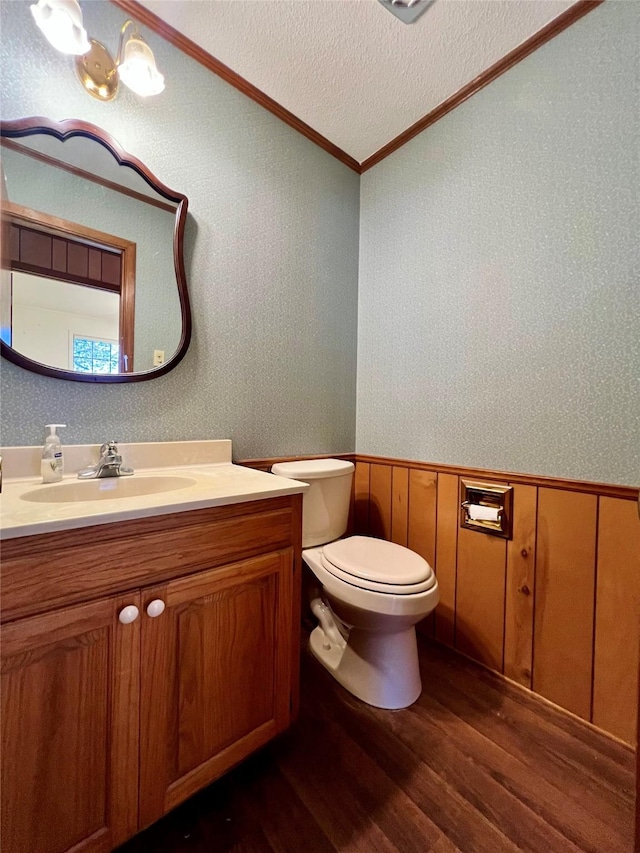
[[108, 447]]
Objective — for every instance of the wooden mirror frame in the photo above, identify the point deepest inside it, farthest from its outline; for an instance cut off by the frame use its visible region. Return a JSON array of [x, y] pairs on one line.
[[64, 130]]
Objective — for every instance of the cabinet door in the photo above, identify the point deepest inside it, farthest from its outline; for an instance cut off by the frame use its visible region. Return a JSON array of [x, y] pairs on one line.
[[70, 699], [215, 675]]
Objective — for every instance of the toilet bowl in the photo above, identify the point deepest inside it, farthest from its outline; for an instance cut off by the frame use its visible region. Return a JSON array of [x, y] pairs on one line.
[[371, 592]]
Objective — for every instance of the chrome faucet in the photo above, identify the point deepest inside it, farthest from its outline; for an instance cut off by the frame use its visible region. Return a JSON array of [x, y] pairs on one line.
[[109, 465]]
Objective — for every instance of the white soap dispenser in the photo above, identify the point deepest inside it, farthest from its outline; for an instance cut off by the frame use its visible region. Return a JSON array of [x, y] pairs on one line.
[[52, 465]]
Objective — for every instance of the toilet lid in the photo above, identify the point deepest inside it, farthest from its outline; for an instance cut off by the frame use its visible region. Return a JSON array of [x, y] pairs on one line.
[[378, 565]]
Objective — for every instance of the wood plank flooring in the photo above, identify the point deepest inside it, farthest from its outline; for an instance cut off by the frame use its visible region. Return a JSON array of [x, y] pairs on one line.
[[476, 765]]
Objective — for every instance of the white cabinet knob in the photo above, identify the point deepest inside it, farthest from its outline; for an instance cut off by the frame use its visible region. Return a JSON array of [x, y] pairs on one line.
[[128, 614], [155, 607]]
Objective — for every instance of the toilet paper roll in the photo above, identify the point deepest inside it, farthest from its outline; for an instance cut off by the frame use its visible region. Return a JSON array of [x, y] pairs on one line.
[[483, 513]]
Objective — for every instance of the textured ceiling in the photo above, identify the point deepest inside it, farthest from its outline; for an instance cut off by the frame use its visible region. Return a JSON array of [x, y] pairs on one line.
[[349, 68]]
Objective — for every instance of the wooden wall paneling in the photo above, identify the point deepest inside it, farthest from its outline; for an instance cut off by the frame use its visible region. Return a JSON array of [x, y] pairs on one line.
[[361, 498], [446, 555], [519, 601], [637, 847], [399, 504], [423, 498], [564, 598], [421, 526], [611, 490], [380, 501], [541, 584], [480, 597], [617, 632], [351, 521]]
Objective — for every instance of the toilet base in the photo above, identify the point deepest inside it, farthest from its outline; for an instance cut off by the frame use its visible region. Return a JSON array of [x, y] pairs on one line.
[[381, 669]]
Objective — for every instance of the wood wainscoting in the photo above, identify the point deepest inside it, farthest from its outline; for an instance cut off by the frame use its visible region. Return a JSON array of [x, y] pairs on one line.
[[554, 609]]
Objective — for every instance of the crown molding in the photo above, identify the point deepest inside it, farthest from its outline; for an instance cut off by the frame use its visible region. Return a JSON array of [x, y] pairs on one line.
[[151, 20], [548, 32]]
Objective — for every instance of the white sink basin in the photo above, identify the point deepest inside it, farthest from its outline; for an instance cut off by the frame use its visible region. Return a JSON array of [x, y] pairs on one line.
[[106, 489]]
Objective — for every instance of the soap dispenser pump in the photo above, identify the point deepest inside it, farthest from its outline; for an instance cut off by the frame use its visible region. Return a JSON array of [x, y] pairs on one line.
[[52, 465]]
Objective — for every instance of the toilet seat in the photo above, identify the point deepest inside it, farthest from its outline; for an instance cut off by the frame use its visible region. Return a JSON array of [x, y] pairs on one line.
[[378, 566]]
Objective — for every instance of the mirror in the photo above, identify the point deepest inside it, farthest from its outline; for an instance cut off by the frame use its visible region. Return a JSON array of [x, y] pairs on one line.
[[92, 279]]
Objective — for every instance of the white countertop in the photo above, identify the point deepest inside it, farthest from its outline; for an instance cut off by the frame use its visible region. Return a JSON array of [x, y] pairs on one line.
[[213, 484]]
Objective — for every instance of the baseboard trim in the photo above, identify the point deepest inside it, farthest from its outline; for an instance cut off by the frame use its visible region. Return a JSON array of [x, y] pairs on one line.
[[526, 691]]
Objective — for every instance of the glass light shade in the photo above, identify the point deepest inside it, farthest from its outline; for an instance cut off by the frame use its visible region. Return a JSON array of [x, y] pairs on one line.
[[61, 23], [138, 68]]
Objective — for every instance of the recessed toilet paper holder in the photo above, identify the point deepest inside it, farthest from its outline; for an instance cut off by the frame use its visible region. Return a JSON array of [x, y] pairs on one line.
[[487, 508]]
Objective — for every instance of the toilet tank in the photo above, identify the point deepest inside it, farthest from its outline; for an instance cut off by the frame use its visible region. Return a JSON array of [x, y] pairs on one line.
[[325, 507]]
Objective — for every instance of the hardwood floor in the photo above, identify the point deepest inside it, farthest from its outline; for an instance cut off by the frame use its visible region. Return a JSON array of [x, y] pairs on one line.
[[476, 765]]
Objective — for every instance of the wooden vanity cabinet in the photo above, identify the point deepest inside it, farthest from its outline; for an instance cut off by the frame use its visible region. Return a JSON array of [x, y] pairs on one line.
[[107, 726], [216, 675], [70, 685]]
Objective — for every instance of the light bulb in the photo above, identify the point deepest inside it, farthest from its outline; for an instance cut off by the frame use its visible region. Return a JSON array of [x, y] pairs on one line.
[[138, 69], [61, 23]]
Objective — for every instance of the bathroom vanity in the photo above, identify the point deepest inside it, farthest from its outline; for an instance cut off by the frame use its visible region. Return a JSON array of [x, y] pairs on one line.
[[143, 657]]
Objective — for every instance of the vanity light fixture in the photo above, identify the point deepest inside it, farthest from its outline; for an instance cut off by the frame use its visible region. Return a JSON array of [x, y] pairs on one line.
[[97, 70], [407, 10], [135, 65]]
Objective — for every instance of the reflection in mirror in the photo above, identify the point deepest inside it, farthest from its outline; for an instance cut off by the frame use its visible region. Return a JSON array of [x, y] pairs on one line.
[[86, 332], [92, 284]]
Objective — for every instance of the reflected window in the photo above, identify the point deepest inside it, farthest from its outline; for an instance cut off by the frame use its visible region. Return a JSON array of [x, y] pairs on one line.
[[54, 265], [92, 355], [46, 316]]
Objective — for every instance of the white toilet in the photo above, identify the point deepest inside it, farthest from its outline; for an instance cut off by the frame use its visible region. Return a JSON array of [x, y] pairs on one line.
[[373, 592]]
